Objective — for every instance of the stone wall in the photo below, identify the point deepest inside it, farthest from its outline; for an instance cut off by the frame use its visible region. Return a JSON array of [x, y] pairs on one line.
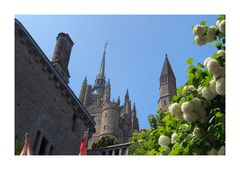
[[44, 105]]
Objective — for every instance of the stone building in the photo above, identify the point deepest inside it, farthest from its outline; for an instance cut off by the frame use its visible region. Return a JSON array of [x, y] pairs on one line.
[[45, 106], [112, 119], [167, 84]]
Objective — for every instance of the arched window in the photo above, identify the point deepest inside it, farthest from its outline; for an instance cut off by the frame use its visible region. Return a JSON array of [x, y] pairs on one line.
[[165, 78]]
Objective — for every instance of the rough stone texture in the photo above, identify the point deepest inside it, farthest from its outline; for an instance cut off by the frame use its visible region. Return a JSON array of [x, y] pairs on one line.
[[44, 104]]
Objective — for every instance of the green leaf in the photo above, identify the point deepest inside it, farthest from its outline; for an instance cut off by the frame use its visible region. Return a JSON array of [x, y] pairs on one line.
[[203, 23], [222, 17], [189, 61], [190, 76], [219, 114], [219, 45], [200, 65]]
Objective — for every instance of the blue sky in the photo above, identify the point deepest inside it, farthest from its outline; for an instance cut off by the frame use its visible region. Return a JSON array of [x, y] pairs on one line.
[[135, 53]]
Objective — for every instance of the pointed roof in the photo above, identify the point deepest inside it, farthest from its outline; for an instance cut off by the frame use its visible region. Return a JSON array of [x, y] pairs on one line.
[[102, 67], [134, 107], [167, 69], [126, 95], [85, 80]]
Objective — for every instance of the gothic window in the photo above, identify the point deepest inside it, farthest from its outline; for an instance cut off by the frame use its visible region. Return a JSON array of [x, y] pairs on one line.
[[105, 127], [165, 78], [41, 145], [106, 115], [164, 102], [36, 141]]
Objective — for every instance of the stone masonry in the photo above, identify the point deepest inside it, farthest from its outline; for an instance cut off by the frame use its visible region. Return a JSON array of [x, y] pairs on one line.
[[45, 106]]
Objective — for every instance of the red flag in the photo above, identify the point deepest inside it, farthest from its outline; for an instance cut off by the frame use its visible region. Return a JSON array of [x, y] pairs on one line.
[[27, 147], [83, 146]]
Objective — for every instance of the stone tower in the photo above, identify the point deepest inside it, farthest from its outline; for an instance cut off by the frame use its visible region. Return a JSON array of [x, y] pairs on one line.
[[62, 54], [109, 116], [167, 84], [112, 119]]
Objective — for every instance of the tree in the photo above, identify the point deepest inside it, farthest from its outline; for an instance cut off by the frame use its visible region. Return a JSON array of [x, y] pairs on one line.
[[194, 123], [103, 142]]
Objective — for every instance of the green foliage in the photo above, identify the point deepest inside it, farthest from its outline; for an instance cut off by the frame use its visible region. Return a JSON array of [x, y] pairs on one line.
[[103, 142], [203, 23], [189, 61], [222, 17], [152, 120], [211, 129]]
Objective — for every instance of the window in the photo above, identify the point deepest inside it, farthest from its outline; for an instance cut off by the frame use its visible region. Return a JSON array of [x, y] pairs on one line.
[[165, 78], [41, 145], [36, 141], [164, 102], [106, 115], [105, 127]]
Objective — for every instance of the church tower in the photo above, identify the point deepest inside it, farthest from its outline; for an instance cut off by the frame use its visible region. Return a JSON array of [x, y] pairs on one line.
[[100, 81], [62, 54], [167, 84]]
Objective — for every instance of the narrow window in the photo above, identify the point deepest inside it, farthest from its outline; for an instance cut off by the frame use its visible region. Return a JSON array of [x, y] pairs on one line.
[[43, 146], [36, 142], [165, 102]]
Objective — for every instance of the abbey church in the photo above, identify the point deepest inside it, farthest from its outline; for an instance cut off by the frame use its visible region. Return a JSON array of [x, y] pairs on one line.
[[112, 119]]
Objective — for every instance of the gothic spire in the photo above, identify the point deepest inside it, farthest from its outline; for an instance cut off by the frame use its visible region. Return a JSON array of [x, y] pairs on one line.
[[99, 86], [126, 96], [167, 69], [83, 90], [102, 67], [134, 108]]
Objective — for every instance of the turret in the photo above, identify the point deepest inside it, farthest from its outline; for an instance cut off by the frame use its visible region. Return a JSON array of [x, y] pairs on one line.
[[62, 54], [127, 104], [83, 90], [87, 97], [107, 94], [134, 119], [110, 120]]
